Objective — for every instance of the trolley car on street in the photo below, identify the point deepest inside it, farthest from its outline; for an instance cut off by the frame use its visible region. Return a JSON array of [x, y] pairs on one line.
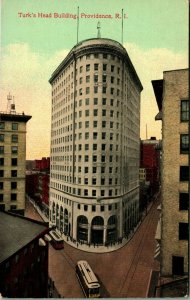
[[56, 241], [87, 279]]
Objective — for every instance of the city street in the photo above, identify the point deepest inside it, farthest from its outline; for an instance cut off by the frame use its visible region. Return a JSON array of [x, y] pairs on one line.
[[122, 273]]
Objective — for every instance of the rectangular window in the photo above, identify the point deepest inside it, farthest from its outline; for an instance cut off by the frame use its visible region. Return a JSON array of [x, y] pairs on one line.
[[14, 138], [1, 173], [103, 124], [88, 78], [104, 101], [14, 126], [86, 147], [104, 89], [1, 185], [93, 181], [2, 125], [110, 192], [112, 91], [95, 135], [87, 90], [94, 147], [103, 159], [87, 113], [102, 206], [102, 192], [80, 80], [13, 173], [1, 197], [184, 143], [81, 69], [95, 66], [102, 181], [86, 124], [104, 67], [14, 161], [1, 149], [14, 149], [88, 67], [86, 135], [185, 110], [183, 201], [13, 197], [103, 147], [87, 101], [1, 161], [112, 79], [86, 158], [102, 169], [13, 185], [1, 137], [95, 89], [95, 101], [95, 112], [85, 180], [94, 158], [112, 68], [104, 78], [183, 231], [103, 112], [103, 135], [94, 169], [95, 124], [184, 173], [93, 206], [95, 78]]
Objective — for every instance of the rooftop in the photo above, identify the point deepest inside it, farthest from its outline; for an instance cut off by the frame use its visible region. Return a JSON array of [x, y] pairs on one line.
[[16, 232], [5, 116]]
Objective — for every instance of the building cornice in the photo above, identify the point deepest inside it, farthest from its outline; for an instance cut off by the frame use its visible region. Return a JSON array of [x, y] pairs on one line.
[[113, 48]]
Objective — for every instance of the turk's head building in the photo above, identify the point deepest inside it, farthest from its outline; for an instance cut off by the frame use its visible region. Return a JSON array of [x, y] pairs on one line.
[[95, 136]]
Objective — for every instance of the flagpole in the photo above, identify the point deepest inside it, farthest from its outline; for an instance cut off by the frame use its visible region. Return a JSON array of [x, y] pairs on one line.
[[77, 24], [122, 28]]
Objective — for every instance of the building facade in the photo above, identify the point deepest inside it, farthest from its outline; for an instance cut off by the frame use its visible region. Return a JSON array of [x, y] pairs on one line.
[[23, 257], [95, 130], [172, 97], [12, 161], [150, 163]]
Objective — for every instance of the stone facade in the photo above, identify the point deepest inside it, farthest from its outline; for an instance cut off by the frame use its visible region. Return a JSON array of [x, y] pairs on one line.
[[12, 161], [94, 184], [175, 173]]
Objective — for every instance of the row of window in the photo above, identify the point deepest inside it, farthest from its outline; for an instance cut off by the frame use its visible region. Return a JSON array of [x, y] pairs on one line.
[[14, 149], [86, 192], [13, 197], [104, 147], [13, 173], [14, 138], [14, 161], [97, 78], [13, 185], [88, 56], [14, 126], [93, 208]]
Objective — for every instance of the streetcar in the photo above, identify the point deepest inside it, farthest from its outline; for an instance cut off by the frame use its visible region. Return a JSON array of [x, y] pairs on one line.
[[87, 279], [56, 241]]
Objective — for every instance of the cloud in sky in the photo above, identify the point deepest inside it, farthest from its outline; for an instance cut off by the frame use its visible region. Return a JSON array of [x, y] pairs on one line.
[[25, 75]]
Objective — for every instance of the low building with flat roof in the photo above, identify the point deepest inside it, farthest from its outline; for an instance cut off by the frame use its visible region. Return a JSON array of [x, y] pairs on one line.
[[23, 257]]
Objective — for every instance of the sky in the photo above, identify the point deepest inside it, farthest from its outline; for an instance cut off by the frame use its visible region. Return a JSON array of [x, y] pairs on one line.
[[155, 35]]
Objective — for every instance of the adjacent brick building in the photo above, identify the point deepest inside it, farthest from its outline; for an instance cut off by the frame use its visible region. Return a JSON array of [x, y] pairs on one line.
[[172, 96], [37, 182], [23, 257]]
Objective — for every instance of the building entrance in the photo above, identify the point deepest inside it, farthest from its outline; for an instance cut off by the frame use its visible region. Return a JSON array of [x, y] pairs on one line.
[[97, 236]]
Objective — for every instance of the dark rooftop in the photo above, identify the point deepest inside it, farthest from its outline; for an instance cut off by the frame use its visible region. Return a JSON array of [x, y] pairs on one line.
[[16, 232], [158, 91], [4, 116]]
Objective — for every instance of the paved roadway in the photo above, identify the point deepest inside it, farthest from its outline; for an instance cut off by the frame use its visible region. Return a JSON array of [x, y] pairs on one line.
[[123, 273]]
